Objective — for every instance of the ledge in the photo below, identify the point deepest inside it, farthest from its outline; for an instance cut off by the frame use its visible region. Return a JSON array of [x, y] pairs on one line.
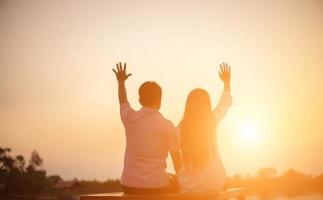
[[237, 193]]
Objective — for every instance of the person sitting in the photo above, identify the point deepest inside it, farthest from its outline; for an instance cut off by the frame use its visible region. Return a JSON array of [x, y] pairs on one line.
[[202, 169], [149, 138]]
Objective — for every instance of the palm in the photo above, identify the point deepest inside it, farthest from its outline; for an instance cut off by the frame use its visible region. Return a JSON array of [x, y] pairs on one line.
[[225, 72], [121, 73]]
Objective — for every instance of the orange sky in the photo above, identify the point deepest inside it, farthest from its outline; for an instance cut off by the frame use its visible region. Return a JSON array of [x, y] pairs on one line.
[[58, 94]]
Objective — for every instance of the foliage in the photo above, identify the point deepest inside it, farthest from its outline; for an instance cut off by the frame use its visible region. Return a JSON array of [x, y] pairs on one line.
[[289, 183], [17, 178]]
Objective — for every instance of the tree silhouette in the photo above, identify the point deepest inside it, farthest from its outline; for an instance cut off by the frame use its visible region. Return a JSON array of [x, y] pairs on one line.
[[16, 178], [36, 162], [267, 173]]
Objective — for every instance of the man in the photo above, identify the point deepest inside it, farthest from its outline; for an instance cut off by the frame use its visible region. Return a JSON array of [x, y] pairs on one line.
[[149, 138]]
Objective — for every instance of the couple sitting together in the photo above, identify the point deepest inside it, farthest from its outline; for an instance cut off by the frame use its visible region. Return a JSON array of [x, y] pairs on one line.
[[192, 144]]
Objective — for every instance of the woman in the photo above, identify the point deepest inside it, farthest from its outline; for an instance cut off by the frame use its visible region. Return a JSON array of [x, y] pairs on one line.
[[202, 169]]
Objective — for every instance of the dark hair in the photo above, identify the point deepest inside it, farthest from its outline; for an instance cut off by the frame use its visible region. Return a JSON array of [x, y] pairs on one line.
[[197, 130], [150, 94]]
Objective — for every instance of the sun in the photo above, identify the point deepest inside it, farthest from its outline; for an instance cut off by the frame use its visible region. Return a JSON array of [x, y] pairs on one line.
[[249, 132]]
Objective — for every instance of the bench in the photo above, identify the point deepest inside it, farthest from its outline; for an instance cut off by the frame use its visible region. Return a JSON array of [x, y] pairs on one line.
[[234, 193]]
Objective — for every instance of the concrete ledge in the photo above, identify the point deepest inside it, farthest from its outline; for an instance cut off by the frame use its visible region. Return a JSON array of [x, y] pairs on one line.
[[237, 193]]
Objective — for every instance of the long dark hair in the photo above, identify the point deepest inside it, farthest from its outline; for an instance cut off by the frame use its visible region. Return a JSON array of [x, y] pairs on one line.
[[197, 129]]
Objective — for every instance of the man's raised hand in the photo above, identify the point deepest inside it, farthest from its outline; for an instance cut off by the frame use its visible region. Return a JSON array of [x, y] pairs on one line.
[[121, 73], [225, 73]]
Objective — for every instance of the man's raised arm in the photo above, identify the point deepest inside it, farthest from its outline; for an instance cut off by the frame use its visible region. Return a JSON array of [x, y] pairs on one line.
[[121, 77]]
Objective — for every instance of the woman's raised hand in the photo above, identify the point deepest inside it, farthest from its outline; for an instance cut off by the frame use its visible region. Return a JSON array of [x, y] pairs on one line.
[[225, 73]]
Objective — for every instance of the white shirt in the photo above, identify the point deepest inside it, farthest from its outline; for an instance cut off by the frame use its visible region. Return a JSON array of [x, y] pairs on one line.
[[212, 177], [149, 137]]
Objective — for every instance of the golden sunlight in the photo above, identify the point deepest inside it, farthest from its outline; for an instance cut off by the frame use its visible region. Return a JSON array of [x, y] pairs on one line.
[[249, 132]]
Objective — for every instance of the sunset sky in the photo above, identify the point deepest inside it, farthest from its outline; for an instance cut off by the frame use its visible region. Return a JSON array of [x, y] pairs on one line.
[[58, 94]]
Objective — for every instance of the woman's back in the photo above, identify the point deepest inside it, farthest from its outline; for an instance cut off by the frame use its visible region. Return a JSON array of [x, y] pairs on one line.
[[202, 169], [210, 177]]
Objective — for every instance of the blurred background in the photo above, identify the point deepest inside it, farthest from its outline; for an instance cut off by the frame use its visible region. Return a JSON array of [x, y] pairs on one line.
[[58, 94]]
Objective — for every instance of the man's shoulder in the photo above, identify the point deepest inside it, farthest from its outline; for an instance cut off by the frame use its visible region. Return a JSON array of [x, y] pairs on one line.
[[163, 118], [126, 112], [167, 123]]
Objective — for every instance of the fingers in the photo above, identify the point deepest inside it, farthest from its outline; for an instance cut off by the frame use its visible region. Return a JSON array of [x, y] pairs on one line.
[[220, 74], [225, 68], [225, 71], [120, 66], [118, 69], [228, 68], [221, 71]]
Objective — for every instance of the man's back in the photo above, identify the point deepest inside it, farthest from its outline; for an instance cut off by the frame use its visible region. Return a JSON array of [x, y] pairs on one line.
[[149, 138]]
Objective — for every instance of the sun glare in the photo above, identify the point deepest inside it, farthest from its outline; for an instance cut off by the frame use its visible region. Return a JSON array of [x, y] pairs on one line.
[[249, 132]]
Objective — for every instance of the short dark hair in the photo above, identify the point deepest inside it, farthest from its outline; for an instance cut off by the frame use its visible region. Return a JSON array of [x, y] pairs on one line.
[[150, 94]]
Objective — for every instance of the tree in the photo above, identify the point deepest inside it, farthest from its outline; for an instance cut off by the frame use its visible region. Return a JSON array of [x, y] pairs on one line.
[[35, 174], [6, 161], [267, 173], [16, 178], [20, 162], [36, 162], [53, 179], [12, 172]]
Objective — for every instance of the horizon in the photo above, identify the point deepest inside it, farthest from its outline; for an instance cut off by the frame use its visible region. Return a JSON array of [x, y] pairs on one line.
[[58, 94], [269, 172]]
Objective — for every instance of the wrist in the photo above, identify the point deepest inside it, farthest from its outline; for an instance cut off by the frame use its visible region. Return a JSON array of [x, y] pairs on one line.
[[121, 82], [227, 86]]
